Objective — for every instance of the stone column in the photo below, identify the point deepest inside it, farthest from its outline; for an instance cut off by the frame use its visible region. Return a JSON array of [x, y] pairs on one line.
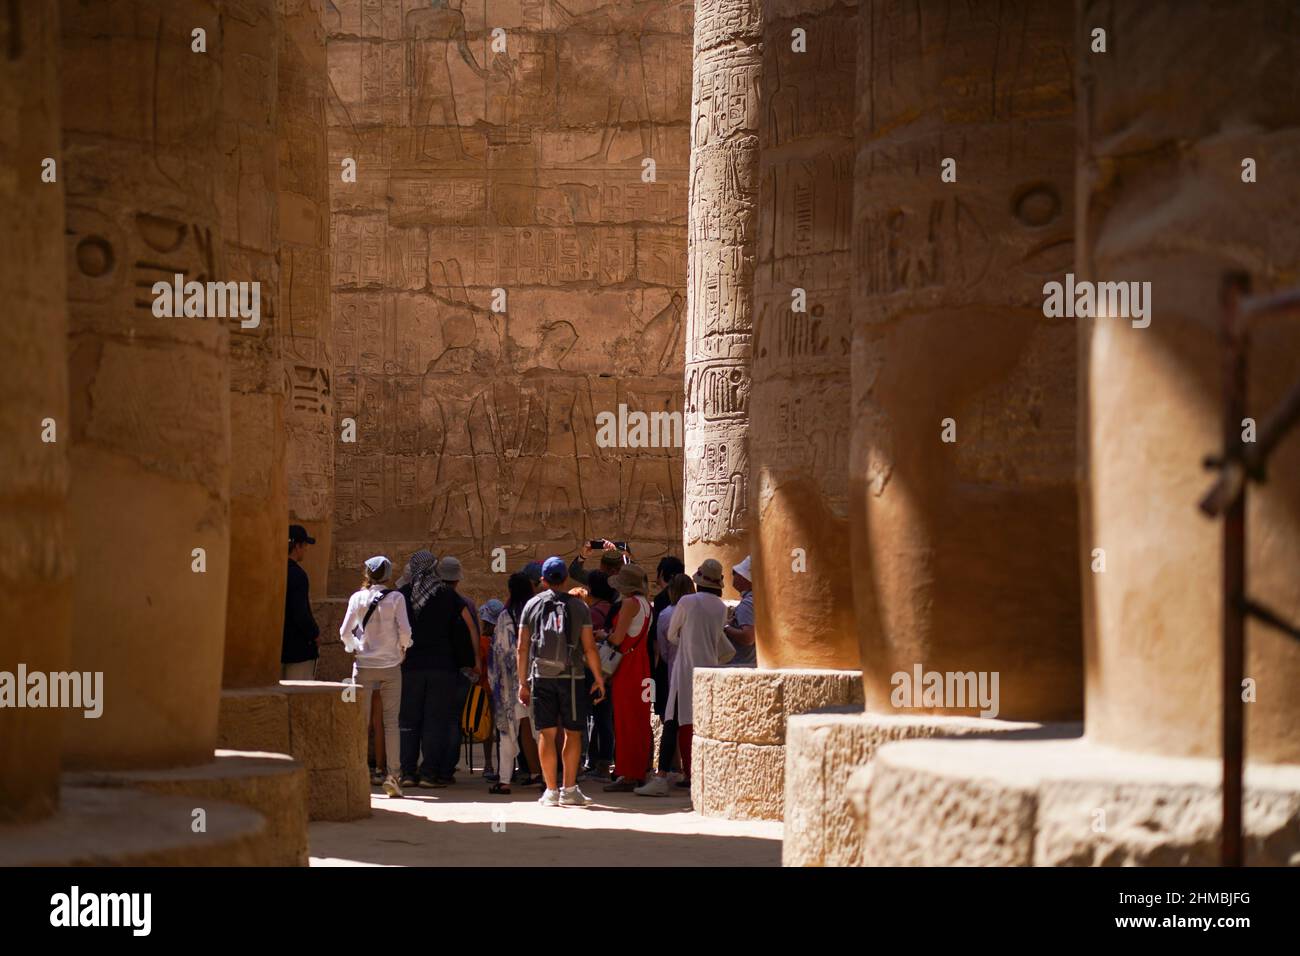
[[282, 202], [798, 458], [723, 228], [304, 320], [1154, 629], [147, 438], [36, 558], [1167, 121], [964, 513], [798, 449], [249, 210], [150, 414], [964, 394]]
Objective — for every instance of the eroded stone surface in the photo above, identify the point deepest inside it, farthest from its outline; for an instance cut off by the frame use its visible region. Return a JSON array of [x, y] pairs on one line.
[[799, 405], [1064, 802], [112, 826], [1164, 203], [319, 727], [723, 213], [272, 784], [748, 705], [35, 542], [150, 408], [249, 207], [824, 750], [738, 760], [305, 326], [972, 543], [519, 170]]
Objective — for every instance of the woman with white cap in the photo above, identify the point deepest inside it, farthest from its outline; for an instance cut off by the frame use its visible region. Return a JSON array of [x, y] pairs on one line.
[[375, 629]]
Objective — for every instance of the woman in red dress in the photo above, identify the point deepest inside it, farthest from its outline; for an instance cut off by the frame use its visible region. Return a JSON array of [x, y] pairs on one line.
[[631, 689]]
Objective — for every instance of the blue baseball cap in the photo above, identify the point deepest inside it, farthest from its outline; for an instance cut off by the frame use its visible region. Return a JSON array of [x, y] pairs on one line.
[[555, 570], [533, 570]]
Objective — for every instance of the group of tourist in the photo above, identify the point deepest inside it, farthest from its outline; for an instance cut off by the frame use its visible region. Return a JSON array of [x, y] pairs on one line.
[[573, 662]]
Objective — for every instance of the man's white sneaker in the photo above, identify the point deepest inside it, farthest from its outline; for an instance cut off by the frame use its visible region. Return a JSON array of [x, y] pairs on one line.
[[573, 797], [392, 787], [549, 798], [654, 787]]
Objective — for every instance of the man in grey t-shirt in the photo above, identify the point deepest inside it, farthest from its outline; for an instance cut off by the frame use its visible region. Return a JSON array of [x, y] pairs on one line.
[[740, 629], [556, 702]]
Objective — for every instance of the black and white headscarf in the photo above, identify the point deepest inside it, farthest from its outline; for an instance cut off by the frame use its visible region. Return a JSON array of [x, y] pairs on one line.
[[422, 573]]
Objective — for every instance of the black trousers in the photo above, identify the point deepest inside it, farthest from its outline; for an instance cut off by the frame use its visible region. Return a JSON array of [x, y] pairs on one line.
[[429, 722]]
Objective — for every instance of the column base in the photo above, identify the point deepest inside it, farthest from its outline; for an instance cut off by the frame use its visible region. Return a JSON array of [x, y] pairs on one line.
[[122, 826], [738, 755], [1064, 803], [822, 752], [313, 723], [272, 784]]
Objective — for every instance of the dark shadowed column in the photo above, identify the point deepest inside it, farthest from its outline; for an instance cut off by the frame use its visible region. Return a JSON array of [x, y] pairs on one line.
[[964, 394], [35, 546], [799, 409]]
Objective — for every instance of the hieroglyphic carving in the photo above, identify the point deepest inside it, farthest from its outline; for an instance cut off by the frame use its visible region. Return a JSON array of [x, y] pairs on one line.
[[520, 171], [948, 324], [304, 325], [150, 396], [799, 404], [723, 214]]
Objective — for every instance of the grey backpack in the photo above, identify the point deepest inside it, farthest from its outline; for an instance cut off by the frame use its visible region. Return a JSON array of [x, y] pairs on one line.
[[552, 651]]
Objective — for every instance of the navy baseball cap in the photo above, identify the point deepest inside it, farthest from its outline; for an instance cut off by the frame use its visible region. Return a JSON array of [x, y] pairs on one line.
[[298, 535], [533, 570], [555, 570]]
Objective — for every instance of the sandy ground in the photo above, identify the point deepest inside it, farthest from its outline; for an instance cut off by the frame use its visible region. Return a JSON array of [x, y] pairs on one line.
[[463, 825]]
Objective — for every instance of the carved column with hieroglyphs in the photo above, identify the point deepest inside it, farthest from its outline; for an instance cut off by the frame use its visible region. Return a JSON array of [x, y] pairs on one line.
[[799, 408], [723, 229]]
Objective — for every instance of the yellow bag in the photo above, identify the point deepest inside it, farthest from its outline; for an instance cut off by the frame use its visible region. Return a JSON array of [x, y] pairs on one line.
[[476, 718]]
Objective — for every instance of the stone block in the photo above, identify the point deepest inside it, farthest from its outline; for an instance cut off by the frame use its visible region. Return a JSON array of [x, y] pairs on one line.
[[824, 749], [751, 705], [319, 727], [122, 826], [273, 784], [1064, 802]]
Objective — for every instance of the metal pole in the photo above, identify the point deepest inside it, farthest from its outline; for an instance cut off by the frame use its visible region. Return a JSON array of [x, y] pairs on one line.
[[1234, 570]]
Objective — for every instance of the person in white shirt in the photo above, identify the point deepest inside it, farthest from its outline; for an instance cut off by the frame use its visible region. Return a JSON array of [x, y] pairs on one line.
[[376, 629], [696, 628]]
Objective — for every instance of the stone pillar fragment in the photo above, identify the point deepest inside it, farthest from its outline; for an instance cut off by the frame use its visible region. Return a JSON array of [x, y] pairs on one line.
[[250, 224], [35, 546], [304, 301], [799, 405], [150, 408], [964, 394], [1169, 202], [723, 227]]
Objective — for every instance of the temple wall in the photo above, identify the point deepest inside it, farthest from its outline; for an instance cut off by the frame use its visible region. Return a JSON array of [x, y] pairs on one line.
[[519, 170]]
